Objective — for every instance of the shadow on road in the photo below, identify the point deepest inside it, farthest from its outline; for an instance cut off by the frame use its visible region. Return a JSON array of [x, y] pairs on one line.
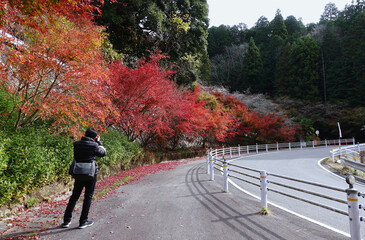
[[221, 204]]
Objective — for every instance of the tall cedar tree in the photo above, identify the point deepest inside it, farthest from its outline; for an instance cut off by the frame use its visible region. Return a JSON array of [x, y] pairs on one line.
[[252, 69]]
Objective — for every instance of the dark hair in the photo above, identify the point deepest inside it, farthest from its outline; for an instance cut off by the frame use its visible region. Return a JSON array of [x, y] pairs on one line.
[[91, 133]]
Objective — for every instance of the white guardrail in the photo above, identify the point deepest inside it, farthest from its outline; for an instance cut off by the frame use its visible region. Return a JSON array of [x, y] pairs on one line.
[[217, 160]]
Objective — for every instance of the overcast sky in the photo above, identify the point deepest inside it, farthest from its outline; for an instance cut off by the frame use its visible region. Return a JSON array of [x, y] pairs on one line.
[[233, 12]]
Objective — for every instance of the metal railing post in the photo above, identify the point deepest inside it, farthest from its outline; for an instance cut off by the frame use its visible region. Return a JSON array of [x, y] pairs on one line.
[[257, 148], [358, 147], [353, 141], [225, 174], [207, 162], [248, 149], [339, 147], [325, 142], [211, 169], [301, 145], [263, 188], [277, 146], [267, 149], [223, 153], [216, 153], [239, 150], [333, 155], [289, 146], [313, 143], [230, 152], [353, 209]]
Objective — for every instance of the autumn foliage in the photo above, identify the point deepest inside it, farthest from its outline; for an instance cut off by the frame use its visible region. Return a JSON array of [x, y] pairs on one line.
[[57, 72]]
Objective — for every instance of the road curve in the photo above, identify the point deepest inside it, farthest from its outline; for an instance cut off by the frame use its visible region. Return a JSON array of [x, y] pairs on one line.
[[301, 164], [183, 204]]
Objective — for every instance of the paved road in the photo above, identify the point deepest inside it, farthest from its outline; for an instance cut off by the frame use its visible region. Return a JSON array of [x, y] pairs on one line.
[[301, 164], [183, 204]]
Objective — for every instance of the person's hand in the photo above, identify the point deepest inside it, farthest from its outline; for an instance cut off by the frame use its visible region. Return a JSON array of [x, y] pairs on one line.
[[97, 138]]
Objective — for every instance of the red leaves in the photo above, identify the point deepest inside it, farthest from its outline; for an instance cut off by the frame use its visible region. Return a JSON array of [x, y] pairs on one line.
[[58, 73]]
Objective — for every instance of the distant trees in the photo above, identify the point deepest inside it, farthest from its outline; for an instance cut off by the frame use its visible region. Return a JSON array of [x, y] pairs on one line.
[[323, 61]]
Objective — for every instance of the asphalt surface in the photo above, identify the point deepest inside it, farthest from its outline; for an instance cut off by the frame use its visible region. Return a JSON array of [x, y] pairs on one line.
[[183, 204], [303, 164]]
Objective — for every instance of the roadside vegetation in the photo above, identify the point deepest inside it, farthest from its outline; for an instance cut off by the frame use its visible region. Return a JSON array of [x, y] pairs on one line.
[[68, 65], [342, 169]]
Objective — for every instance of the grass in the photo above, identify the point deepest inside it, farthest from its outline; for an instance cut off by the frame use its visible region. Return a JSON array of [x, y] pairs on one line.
[[32, 202], [342, 168], [115, 185], [265, 211]]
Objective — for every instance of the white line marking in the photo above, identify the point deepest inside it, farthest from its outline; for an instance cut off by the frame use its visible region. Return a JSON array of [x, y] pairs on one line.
[[292, 212]]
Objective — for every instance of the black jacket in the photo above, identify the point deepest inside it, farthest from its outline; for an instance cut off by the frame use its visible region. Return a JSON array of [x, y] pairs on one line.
[[87, 149]]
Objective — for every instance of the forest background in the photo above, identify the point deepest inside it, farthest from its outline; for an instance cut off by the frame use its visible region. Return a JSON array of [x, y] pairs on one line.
[[153, 78]]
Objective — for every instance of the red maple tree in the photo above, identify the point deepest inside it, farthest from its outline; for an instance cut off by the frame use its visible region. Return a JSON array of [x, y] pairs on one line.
[[56, 73]]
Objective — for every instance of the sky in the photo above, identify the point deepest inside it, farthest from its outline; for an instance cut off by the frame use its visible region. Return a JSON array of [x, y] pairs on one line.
[[233, 12]]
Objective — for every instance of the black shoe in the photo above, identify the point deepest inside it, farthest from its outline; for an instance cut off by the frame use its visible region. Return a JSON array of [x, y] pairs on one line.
[[86, 224], [66, 224]]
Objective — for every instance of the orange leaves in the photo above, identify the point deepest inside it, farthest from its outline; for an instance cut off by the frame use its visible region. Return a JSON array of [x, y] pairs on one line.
[[58, 74]]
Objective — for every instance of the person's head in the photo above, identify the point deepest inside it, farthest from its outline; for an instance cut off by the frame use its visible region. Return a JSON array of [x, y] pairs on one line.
[[91, 133]]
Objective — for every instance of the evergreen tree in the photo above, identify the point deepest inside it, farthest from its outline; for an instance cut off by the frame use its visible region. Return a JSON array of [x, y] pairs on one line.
[[252, 69], [278, 27], [304, 69], [281, 82]]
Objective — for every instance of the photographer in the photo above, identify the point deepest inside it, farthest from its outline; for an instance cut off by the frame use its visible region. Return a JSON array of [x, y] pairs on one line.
[[85, 151]]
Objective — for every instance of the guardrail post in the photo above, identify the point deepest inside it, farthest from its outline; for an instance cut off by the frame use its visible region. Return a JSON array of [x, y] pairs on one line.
[[257, 148], [211, 169], [248, 149], [223, 153], [207, 162], [230, 152], [263, 188], [358, 147], [313, 143], [301, 145], [239, 150], [339, 147], [353, 209], [353, 141], [216, 153], [289, 146], [277, 146], [333, 155], [267, 149], [325, 142], [225, 175]]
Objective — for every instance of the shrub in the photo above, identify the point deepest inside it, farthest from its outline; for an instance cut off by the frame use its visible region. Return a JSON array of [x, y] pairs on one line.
[[119, 150], [33, 157]]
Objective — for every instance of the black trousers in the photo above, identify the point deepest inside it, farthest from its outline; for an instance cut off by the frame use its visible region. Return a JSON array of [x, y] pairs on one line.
[[88, 196]]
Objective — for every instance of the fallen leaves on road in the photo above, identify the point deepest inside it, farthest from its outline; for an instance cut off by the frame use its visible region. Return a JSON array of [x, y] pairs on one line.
[[28, 223]]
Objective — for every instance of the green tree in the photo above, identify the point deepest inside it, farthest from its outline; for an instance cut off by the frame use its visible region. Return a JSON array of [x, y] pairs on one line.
[[218, 39], [304, 69], [278, 27], [252, 69], [177, 28], [281, 81], [330, 13], [354, 53]]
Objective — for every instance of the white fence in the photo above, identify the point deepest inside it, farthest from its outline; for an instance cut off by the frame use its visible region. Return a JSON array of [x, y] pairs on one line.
[[350, 156], [217, 161]]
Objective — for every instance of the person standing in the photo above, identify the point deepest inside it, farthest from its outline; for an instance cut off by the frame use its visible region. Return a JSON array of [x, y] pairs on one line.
[[85, 151]]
